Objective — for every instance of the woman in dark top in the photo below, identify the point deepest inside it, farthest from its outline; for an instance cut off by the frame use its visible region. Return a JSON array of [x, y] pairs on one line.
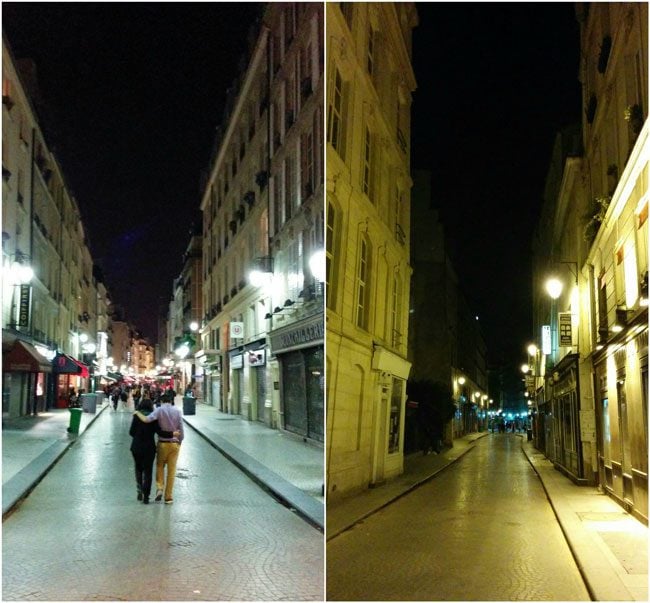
[[143, 448]]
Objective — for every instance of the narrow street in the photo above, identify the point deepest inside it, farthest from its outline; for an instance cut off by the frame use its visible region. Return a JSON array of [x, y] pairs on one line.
[[481, 530], [82, 535]]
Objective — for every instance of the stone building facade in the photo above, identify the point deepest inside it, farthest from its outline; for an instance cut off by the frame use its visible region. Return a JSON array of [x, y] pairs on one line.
[[262, 334], [591, 378], [370, 82], [58, 318]]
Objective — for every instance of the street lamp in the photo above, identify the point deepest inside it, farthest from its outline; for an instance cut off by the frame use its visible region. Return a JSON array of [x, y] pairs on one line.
[[554, 287]]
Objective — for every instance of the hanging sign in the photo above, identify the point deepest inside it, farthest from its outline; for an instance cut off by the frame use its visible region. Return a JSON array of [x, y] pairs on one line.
[[566, 331], [23, 306], [237, 330], [255, 358], [546, 340]]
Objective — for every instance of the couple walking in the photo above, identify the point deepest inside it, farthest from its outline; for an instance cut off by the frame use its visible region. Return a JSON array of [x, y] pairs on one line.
[[166, 421]]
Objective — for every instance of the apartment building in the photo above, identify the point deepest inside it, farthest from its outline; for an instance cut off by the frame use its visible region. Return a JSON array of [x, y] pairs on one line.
[[451, 349], [370, 82], [51, 319], [592, 364], [262, 332]]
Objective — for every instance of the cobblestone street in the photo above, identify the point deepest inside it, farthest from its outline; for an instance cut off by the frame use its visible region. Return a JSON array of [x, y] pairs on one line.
[[82, 535], [481, 530]]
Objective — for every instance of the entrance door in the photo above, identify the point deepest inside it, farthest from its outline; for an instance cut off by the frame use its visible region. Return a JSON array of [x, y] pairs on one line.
[[294, 393], [260, 386], [315, 390]]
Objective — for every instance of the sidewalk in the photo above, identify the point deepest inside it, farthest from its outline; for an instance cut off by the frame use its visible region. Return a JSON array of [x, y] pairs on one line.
[[31, 445], [609, 545], [291, 469], [281, 463]]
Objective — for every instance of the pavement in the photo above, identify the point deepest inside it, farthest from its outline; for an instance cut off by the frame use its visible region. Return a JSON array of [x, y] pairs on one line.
[[286, 466], [609, 545]]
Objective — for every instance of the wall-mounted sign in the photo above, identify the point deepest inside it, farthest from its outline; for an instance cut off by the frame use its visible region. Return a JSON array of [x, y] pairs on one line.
[[23, 306], [237, 362], [255, 357], [566, 331], [303, 334], [237, 330], [546, 340]]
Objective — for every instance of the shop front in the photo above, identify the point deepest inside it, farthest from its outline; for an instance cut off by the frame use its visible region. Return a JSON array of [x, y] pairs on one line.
[[621, 390], [562, 423], [209, 362], [300, 352], [68, 373], [24, 380]]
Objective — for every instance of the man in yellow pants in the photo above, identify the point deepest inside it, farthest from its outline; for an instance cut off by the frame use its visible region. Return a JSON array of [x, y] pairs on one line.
[[169, 419]]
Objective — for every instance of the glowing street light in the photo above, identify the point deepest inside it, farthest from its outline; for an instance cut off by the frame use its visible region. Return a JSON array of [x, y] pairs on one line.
[[525, 368], [554, 287], [532, 350]]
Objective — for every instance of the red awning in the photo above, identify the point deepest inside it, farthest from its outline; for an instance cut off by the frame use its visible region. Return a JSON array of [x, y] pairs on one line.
[[23, 358], [67, 365]]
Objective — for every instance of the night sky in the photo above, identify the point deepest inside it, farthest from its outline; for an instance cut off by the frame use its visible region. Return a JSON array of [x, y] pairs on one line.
[[132, 96], [495, 84]]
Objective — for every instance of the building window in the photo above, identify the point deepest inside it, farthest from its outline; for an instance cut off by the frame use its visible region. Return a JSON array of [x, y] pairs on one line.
[[366, 172], [288, 189], [307, 157], [347, 9], [329, 256], [396, 318], [370, 54], [335, 114], [603, 328], [395, 415], [363, 269]]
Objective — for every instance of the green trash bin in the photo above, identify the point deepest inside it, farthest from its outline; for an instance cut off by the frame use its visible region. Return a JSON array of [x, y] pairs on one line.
[[75, 420], [189, 405]]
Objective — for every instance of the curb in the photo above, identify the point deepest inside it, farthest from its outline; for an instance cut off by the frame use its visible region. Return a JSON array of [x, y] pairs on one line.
[[307, 507], [21, 485]]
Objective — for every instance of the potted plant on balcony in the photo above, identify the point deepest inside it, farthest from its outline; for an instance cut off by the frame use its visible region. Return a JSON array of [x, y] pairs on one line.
[[634, 116]]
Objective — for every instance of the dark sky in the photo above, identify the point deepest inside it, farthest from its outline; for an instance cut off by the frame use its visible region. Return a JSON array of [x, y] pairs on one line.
[[133, 93], [495, 84]]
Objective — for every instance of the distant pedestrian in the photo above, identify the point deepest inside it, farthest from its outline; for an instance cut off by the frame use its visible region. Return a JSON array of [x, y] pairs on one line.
[[169, 418], [124, 396], [137, 395]]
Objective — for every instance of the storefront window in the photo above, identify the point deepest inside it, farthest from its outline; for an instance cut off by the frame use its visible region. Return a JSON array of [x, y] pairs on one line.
[[568, 422], [395, 415], [623, 426]]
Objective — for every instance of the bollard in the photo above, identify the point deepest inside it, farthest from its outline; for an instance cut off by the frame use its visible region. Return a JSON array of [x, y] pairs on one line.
[[75, 420]]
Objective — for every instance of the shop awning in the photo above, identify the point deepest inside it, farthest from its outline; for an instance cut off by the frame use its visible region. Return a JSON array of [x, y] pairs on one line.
[[114, 376], [23, 358], [67, 365]]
